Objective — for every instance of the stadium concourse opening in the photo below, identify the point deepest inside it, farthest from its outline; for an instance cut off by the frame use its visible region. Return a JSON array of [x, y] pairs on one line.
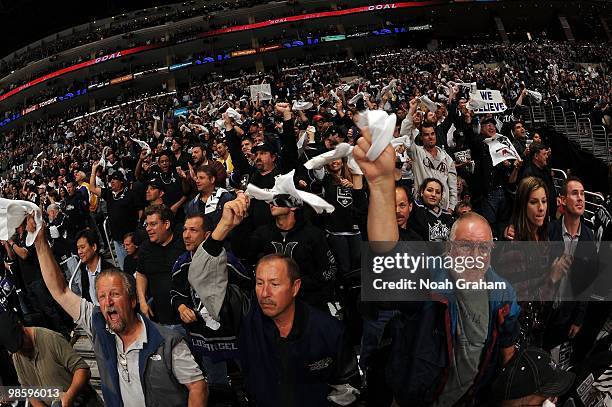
[[305, 203]]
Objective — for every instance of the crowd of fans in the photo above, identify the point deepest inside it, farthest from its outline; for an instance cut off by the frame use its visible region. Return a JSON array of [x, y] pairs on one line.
[[234, 237]]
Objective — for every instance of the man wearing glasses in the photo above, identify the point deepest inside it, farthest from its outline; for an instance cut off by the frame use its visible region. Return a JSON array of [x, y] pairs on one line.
[[141, 363], [444, 349]]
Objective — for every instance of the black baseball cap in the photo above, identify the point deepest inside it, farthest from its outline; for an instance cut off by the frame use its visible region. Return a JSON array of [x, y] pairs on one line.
[[157, 184], [532, 371], [488, 120], [118, 175], [264, 146], [11, 332]]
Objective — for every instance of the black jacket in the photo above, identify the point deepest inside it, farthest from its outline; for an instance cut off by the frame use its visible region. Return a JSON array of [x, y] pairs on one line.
[[583, 273], [297, 370], [76, 210], [431, 226], [486, 176], [259, 212], [304, 243]]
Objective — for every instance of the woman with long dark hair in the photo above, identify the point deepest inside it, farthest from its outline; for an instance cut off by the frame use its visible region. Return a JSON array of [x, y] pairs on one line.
[[529, 214], [344, 191], [532, 269], [427, 217]]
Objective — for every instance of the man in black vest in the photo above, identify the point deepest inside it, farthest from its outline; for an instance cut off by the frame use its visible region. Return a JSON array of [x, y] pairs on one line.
[[123, 339]]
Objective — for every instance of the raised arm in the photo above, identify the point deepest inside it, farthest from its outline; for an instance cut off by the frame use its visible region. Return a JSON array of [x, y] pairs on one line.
[[382, 224], [289, 153], [93, 188], [233, 133], [52, 275]]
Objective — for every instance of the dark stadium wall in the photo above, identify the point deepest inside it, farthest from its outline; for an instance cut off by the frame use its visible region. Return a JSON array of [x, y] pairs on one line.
[[592, 171]]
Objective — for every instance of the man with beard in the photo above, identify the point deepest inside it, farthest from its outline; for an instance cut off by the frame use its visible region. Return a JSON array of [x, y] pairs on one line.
[[198, 156], [268, 162], [124, 340]]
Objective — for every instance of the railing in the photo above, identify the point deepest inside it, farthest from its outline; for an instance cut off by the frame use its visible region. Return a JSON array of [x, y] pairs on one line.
[[592, 138], [601, 144], [109, 242], [593, 201], [558, 177], [537, 113]]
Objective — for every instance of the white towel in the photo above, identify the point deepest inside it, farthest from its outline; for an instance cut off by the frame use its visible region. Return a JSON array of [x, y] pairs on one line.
[[356, 98], [283, 185], [431, 106], [301, 105], [142, 145], [381, 127], [302, 140], [342, 150], [12, 214], [399, 141], [102, 162], [352, 164], [536, 96], [234, 115], [199, 127]]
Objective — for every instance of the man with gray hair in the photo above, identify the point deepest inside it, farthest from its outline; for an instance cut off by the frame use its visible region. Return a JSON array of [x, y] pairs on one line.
[[140, 362], [461, 331]]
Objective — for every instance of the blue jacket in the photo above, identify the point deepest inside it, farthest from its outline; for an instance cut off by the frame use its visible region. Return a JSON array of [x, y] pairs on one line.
[[422, 342], [297, 370]]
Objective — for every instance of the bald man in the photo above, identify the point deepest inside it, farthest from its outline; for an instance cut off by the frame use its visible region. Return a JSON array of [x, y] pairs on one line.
[[478, 325]]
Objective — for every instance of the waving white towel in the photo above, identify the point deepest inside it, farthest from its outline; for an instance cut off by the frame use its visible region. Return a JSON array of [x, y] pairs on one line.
[[142, 145], [203, 129], [283, 185], [536, 96], [12, 214], [356, 98], [103, 158], [342, 150], [399, 141], [301, 105], [381, 127], [431, 106], [234, 115]]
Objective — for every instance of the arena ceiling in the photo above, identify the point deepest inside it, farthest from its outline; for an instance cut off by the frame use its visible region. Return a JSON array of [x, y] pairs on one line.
[[25, 21]]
